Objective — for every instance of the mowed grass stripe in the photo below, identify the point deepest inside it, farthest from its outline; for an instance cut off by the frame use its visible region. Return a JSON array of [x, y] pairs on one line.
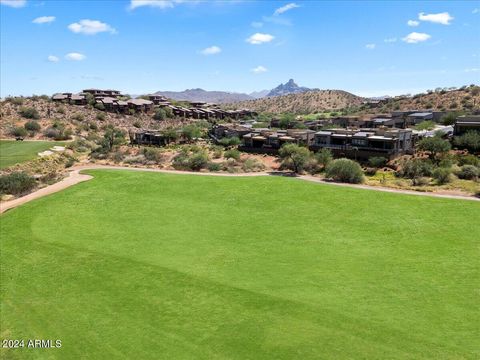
[[177, 266], [14, 152]]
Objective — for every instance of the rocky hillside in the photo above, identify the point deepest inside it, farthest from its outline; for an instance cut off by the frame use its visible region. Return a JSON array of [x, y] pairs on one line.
[[466, 98], [289, 87], [79, 120], [217, 97], [302, 103]]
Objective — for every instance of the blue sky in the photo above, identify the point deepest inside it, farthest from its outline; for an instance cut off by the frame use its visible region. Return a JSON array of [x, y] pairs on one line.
[[140, 46]]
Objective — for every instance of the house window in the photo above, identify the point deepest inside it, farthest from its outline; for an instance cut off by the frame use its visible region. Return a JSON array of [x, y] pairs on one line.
[[359, 142], [322, 140]]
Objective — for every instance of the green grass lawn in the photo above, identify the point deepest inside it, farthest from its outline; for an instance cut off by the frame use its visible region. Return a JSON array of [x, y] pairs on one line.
[[137, 265], [14, 152]]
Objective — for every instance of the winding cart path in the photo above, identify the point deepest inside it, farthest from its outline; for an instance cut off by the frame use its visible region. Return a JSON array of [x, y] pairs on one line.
[[75, 177]]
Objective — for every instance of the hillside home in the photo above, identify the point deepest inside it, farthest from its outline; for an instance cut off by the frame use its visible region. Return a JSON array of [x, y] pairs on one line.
[[466, 123], [157, 99], [418, 117], [364, 143], [266, 140], [140, 105]]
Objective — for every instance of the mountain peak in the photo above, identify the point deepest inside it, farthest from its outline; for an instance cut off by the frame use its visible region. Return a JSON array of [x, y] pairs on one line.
[[290, 87]]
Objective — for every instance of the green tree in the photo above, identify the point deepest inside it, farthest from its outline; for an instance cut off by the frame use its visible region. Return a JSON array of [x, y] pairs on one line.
[[345, 170], [294, 157], [160, 115], [435, 146], [414, 169], [286, 120], [324, 157], [191, 132], [32, 126], [29, 112]]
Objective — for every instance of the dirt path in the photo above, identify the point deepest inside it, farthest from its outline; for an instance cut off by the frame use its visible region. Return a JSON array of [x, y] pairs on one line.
[[76, 177]]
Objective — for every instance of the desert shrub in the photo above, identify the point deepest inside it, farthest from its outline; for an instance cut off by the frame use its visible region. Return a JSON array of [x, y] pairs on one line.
[[78, 117], [294, 157], [59, 133], [377, 161], [99, 106], [19, 131], [470, 141], [198, 161], [468, 172], [136, 159], [153, 155], [15, 100], [217, 151], [70, 162], [214, 166], [422, 181], [100, 116], [229, 141], [232, 154], [252, 165], [29, 113], [345, 170], [469, 160], [81, 145], [137, 124], [92, 126], [414, 169], [442, 175], [117, 156], [16, 183], [194, 160], [32, 126], [160, 115], [324, 157], [61, 110]]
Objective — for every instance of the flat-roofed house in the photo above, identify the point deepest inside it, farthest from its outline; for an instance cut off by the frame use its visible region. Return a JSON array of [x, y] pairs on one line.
[[267, 140], [364, 143], [109, 103], [466, 123], [418, 117]]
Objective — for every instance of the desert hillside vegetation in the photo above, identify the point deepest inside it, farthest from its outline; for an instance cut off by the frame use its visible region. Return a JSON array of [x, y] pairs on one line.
[[302, 103]]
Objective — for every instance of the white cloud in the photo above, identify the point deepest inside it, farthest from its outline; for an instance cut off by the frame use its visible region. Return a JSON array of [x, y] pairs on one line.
[[212, 50], [259, 38], [90, 27], [161, 4], [285, 8], [53, 58], [413, 23], [475, 11], [390, 40], [14, 3], [259, 69], [441, 18], [416, 37], [257, 24], [73, 56], [371, 46], [44, 20], [472, 70]]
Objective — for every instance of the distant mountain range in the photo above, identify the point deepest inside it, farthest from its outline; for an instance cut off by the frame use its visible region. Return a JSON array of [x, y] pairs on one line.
[[222, 97], [218, 97]]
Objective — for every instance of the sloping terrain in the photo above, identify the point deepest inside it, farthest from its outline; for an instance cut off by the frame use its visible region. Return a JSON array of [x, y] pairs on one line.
[[302, 103], [109, 267]]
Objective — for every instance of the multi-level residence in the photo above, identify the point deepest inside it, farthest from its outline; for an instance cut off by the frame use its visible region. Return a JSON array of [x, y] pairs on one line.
[[267, 140], [364, 143]]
